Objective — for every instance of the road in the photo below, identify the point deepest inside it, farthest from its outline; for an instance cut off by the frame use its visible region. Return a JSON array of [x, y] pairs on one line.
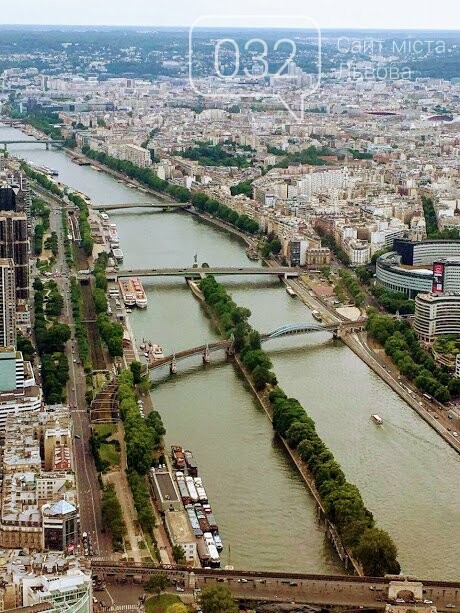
[[89, 494]]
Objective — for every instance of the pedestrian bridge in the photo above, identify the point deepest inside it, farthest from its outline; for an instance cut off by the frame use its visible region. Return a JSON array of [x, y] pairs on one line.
[[227, 345], [200, 272]]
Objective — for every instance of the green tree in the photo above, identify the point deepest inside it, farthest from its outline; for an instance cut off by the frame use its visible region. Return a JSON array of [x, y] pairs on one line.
[[217, 599], [377, 553], [157, 583], [178, 554], [136, 369]]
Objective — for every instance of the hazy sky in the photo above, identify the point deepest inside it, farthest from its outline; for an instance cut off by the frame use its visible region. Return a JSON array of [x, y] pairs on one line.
[[327, 13]]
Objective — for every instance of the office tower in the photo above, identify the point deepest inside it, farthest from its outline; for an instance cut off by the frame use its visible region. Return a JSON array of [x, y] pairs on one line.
[[14, 244], [7, 304]]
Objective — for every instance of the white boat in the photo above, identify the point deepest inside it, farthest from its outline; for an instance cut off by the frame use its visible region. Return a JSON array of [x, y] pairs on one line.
[[156, 352], [377, 419]]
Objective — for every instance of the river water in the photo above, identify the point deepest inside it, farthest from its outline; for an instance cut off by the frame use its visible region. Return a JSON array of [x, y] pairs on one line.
[[408, 476]]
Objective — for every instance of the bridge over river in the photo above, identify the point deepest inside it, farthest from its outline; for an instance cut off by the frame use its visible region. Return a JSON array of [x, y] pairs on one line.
[[142, 205], [199, 272], [320, 590], [337, 330]]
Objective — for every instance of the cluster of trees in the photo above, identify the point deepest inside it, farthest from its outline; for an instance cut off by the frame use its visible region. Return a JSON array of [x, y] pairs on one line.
[[402, 345], [99, 268], [95, 442], [218, 599], [24, 345], [243, 187], [272, 246], [81, 333], [329, 241], [54, 302], [50, 338], [393, 302], [41, 179], [213, 155], [112, 516], [430, 217], [52, 243], [352, 286], [360, 155], [83, 222], [311, 155], [67, 241], [142, 503], [372, 547], [209, 205], [233, 320], [39, 209], [111, 333], [142, 436]]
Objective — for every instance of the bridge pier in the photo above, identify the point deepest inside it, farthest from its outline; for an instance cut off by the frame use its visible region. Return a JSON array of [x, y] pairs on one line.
[[173, 365], [206, 355]]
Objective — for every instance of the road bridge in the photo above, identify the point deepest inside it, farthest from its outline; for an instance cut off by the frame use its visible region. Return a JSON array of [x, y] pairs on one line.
[[336, 329], [46, 142], [321, 590], [141, 205], [200, 272]]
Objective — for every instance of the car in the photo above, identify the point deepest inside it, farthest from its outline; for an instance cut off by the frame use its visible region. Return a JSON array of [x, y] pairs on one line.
[[400, 600], [78, 436], [426, 601], [242, 580], [455, 434], [293, 584], [450, 606], [179, 588], [220, 579], [74, 361]]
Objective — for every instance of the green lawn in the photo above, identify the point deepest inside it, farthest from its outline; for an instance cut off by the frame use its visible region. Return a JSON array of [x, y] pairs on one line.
[[104, 429], [159, 604], [109, 454]]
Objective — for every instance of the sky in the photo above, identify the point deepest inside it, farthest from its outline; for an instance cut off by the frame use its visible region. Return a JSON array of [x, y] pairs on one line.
[[393, 14]]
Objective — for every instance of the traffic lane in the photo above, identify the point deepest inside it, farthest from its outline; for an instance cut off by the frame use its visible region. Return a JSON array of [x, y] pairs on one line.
[[301, 591]]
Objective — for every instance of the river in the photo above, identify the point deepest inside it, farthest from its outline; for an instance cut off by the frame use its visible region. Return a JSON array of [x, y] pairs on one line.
[[407, 474]]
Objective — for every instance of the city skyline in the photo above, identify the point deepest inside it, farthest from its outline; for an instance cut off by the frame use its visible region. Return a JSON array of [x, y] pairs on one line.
[[356, 14]]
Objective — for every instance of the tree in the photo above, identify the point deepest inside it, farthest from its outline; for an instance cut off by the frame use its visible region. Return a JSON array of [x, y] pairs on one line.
[[377, 553], [178, 554], [136, 369], [157, 583], [217, 599]]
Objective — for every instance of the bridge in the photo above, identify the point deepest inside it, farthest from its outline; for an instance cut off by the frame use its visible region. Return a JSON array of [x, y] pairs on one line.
[[227, 345], [46, 142], [142, 205], [318, 590], [200, 272]]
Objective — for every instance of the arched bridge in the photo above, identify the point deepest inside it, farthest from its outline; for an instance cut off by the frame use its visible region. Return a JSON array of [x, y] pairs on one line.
[[227, 345], [141, 205]]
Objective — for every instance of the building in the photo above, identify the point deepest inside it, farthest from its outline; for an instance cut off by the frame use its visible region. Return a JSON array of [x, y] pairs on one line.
[[19, 392], [442, 275], [137, 155], [180, 533], [436, 315], [165, 491], [422, 253], [7, 303], [14, 244], [38, 506], [48, 582]]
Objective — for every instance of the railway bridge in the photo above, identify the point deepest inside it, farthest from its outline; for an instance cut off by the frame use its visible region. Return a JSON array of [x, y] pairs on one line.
[[317, 590]]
